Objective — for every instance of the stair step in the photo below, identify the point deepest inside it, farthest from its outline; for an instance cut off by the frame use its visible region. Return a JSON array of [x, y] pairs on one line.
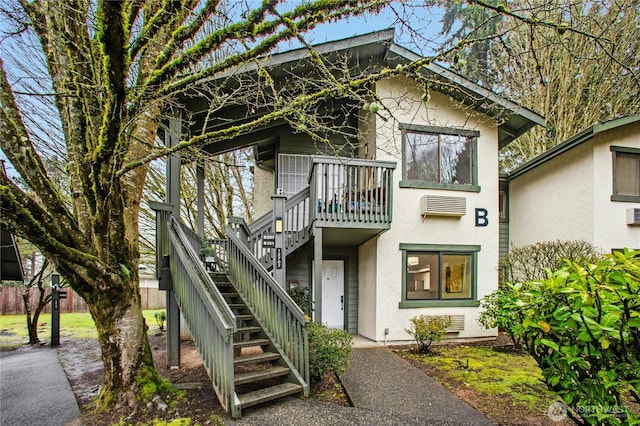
[[257, 375], [219, 275], [250, 399], [249, 343], [244, 317], [237, 305], [251, 329], [227, 294], [256, 358]]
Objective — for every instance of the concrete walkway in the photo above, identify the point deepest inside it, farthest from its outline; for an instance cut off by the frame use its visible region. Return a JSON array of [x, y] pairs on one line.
[[34, 389], [380, 381]]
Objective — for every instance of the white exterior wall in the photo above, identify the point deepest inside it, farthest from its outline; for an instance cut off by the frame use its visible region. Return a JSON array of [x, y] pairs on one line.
[[569, 197], [610, 217], [367, 289], [553, 201], [403, 97], [263, 189]]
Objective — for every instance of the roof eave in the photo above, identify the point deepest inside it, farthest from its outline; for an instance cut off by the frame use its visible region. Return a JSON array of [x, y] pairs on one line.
[[484, 100], [10, 261], [572, 142]]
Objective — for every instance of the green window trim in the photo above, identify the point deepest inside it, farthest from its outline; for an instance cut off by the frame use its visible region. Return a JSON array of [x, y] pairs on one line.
[[456, 303], [625, 149], [441, 249], [436, 185], [626, 198], [436, 130]]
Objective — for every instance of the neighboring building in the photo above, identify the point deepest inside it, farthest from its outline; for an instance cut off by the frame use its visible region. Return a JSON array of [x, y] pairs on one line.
[[10, 260], [587, 188], [406, 220]]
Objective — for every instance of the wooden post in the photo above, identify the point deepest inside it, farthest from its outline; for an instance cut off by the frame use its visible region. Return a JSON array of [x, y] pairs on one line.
[[200, 176], [55, 310], [317, 274], [279, 229], [173, 197]]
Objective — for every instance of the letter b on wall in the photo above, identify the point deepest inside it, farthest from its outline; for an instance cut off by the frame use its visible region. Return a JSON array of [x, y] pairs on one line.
[[482, 217]]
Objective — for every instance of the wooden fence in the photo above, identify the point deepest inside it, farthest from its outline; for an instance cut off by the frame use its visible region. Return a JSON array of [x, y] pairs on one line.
[[11, 300]]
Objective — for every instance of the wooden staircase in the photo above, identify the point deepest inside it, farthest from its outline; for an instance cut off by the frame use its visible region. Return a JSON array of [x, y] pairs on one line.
[[259, 374]]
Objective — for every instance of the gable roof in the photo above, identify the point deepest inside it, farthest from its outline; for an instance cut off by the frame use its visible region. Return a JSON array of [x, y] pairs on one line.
[[573, 141], [10, 263], [378, 50], [514, 119]]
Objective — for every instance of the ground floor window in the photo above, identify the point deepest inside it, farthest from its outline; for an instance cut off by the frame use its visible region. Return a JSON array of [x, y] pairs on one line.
[[438, 272]]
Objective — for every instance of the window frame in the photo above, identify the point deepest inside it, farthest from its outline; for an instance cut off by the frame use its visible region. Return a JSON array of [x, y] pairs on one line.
[[615, 150], [441, 249], [473, 135]]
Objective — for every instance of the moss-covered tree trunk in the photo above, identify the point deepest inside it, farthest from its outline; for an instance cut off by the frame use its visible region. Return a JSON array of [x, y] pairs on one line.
[[124, 345]]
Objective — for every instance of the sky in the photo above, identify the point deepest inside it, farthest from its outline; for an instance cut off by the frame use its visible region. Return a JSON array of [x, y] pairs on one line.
[[424, 37]]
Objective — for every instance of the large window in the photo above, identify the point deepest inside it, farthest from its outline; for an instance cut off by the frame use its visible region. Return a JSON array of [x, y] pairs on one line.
[[626, 174], [439, 157], [438, 275]]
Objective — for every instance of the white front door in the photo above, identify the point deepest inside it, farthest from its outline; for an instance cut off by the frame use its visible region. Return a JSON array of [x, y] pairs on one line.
[[333, 302]]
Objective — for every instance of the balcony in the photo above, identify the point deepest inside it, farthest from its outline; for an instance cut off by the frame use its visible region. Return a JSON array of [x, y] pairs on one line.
[[351, 193]]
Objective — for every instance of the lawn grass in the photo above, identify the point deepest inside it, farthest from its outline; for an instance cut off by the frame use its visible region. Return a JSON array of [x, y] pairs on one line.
[[13, 328], [491, 371]]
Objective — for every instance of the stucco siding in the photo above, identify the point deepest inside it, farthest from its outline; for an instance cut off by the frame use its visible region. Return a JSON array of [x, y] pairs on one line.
[[554, 201], [610, 224], [403, 98], [263, 189], [367, 289], [568, 197]]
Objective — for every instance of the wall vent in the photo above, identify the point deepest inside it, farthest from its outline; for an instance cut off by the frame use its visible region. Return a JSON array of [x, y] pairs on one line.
[[440, 205], [633, 217], [456, 323]]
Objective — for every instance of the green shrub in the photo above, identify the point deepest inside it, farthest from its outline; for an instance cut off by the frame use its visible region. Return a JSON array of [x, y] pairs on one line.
[[582, 326], [161, 317], [493, 311], [531, 262], [428, 329], [329, 350], [301, 296]]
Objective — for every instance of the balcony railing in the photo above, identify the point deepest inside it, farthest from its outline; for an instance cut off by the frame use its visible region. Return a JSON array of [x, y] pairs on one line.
[[351, 192]]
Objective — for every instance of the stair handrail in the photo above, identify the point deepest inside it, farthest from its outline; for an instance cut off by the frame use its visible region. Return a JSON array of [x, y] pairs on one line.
[[279, 316], [210, 321], [297, 217], [266, 220]]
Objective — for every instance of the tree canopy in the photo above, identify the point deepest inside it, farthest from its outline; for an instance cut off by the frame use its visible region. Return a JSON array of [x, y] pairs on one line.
[[576, 63]]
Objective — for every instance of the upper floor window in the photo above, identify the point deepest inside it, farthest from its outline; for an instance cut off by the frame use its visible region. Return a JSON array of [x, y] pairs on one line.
[[626, 174], [435, 157]]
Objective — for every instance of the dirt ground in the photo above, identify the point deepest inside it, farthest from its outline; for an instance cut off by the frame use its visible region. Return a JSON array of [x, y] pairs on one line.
[[83, 366]]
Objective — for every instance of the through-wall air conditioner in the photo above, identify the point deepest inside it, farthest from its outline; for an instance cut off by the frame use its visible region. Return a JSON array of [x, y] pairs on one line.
[[456, 322], [441, 205], [633, 217]]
